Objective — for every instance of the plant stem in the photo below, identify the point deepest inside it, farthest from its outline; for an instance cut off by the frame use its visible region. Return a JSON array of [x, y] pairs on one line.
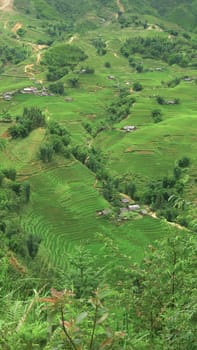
[[65, 331], [94, 328]]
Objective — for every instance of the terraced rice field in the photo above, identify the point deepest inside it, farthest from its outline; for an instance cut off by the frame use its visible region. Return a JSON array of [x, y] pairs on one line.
[[63, 213]]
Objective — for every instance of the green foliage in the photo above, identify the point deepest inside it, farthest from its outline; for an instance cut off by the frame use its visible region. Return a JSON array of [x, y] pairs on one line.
[[184, 162], [158, 48], [12, 52], [157, 115], [137, 86], [61, 58], [10, 173], [120, 108], [31, 119], [100, 46], [46, 152], [73, 81], [57, 88], [21, 32]]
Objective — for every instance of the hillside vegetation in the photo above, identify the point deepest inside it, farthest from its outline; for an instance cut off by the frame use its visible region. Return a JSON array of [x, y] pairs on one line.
[[98, 162]]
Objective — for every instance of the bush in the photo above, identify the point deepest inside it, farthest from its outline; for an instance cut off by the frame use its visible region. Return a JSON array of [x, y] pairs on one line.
[[57, 88], [137, 86], [184, 162], [157, 115], [107, 64]]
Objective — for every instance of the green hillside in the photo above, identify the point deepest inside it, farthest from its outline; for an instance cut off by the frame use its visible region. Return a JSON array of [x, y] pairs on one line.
[[98, 163]]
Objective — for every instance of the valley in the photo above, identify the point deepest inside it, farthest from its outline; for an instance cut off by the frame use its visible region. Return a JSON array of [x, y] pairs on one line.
[[98, 120]]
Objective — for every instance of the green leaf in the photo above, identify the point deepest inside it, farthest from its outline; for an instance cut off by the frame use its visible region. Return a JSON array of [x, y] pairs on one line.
[[81, 317], [102, 318]]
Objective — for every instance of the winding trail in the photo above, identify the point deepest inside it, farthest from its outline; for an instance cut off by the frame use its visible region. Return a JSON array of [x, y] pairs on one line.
[[120, 6], [16, 27], [6, 5]]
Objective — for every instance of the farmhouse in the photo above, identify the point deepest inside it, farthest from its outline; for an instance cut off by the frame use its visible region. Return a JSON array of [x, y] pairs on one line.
[[68, 99], [158, 69], [103, 212], [128, 128], [125, 200], [7, 96], [143, 212], [123, 210], [111, 77], [188, 79], [134, 207], [29, 90], [171, 102]]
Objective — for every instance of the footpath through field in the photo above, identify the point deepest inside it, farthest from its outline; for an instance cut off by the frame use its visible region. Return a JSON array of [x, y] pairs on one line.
[[120, 6], [6, 5]]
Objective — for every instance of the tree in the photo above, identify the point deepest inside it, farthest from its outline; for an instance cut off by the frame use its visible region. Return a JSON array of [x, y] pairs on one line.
[[160, 100], [46, 152], [26, 189], [57, 88], [139, 68], [137, 86], [73, 82], [184, 162], [10, 173], [157, 115], [33, 243], [2, 175]]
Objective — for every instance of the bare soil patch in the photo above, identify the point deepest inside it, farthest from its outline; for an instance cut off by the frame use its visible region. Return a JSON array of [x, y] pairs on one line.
[[16, 27], [6, 5]]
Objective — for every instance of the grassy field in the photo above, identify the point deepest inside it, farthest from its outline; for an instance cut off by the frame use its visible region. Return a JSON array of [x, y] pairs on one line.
[[64, 199]]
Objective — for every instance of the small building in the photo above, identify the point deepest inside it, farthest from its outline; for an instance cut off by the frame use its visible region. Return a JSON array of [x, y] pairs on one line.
[[123, 210], [125, 200], [171, 102], [111, 77], [134, 207], [29, 90], [143, 212], [188, 79], [103, 212], [7, 97], [68, 99], [83, 71], [128, 128]]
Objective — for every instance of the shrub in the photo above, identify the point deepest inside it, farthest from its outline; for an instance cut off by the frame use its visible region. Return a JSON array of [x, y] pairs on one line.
[[184, 162], [137, 86]]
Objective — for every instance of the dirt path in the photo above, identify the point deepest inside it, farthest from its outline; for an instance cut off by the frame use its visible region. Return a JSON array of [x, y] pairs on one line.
[[154, 215], [29, 67], [28, 70], [16, 27], [6, 5], [120, 6], [74, 37]]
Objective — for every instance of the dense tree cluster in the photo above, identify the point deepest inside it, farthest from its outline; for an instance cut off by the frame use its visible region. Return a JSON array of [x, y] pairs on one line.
[[158, 48], [13, 53], [100, 46], [32, 118], [60, 58], [57, 141], [120, 108]]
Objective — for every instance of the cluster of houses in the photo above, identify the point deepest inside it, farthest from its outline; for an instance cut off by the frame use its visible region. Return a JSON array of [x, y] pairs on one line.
[[7, 96], [124, 209], [131, 207], [34, 91]]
